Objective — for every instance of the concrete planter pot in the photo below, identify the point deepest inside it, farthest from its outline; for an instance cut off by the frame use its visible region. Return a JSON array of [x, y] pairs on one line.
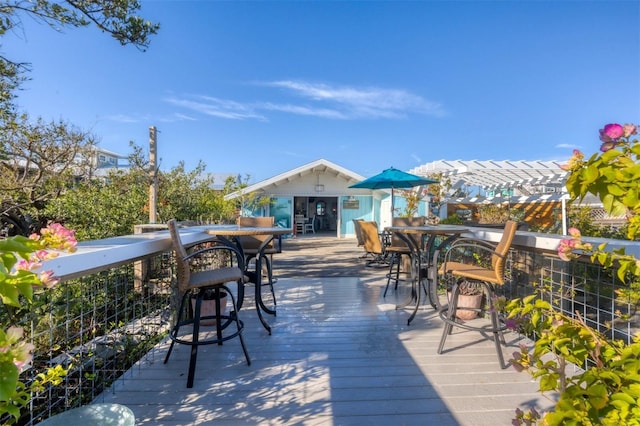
[[208, 307], [472, 301]]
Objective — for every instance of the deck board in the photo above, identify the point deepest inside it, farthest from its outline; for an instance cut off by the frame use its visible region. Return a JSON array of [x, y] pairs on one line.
[[340, 354]]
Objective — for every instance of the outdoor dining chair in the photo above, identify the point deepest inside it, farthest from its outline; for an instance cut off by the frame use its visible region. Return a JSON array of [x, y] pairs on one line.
[[372, 243], [310, 224], [472, 261], [193, 283]]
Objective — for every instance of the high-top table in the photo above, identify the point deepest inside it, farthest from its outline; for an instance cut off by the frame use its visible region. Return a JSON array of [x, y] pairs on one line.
[[231, 234], [424, 267]]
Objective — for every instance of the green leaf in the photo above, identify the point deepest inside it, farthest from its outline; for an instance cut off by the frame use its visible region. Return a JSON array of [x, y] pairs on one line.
[[9, 294], [590, 174], [549, 383], [598, 396], [8, 379], [630, 197], [621, 396], [610, 155], [616, 189]]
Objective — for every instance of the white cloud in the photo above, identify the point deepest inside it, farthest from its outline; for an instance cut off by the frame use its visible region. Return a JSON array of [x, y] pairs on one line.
[[318, 100], [370, 102], [122, 118], [184, 117], [217, 107], [305, 110], [567, 146]]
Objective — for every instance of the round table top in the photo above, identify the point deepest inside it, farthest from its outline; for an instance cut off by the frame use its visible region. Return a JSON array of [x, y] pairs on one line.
[[93, 414], [235, 230], [429, 229]]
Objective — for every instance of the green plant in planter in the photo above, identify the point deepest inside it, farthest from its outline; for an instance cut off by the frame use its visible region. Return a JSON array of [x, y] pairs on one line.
[[470, 288], [607, 391], [470, 298]]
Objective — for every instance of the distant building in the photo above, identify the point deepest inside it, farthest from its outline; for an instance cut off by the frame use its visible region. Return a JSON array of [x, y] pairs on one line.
[[104, 161]]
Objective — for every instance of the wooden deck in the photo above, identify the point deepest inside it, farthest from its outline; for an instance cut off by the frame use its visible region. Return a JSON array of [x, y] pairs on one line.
[[340, 354]]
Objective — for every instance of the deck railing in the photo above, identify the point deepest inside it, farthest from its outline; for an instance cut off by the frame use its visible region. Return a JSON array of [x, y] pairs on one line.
[[113, 305]]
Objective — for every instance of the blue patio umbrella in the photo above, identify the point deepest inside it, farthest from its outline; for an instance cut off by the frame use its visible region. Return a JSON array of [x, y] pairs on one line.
[[391, 179]]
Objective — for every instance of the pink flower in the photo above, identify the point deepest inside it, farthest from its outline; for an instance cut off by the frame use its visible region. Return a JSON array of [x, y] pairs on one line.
[[58, 237], [565, 249], [574, 232], [573, 161], [611, 133], [521, 360], [511, 323], [629, 129], [28, 265], [23, 355], [45, 255], [14, 334], [606, 146], [47, 279]]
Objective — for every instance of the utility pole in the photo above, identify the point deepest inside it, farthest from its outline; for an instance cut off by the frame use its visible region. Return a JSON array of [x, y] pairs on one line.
[[153, 172]]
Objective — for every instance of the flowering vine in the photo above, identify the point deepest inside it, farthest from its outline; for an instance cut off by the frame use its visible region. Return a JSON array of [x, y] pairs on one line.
[[608, 391], [19, 277]]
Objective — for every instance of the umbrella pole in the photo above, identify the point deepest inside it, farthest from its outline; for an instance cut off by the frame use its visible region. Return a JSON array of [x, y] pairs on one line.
[[392, 205]]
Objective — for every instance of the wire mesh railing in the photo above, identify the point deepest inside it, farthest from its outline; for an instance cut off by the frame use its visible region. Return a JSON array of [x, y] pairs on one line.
[[96, 326], [578, 288]]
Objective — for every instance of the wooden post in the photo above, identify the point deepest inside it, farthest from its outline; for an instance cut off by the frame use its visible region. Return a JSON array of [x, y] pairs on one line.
[[153, 186]]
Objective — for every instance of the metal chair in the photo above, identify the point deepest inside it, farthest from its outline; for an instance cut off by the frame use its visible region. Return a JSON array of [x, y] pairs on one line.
[[483, 263], [372, 243], [398, 248], [251, 245], [194, 283]]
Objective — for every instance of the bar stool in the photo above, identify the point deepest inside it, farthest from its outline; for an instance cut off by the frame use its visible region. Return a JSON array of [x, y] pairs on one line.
[[250, 248], [398, 248], [195, 283], [487, 277]]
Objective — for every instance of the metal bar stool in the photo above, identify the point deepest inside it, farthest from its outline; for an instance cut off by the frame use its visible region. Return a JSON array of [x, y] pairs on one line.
[[196, 283], [469, 270]]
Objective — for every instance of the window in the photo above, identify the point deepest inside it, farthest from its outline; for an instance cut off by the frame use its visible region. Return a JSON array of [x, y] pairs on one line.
[[321, 208]]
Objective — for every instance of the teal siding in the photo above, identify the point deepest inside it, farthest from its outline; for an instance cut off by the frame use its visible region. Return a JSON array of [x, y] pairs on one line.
[[281, 208], [364, 211]]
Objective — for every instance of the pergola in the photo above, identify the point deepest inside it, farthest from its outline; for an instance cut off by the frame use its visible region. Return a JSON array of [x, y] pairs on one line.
[[489, 178], [497, 182]]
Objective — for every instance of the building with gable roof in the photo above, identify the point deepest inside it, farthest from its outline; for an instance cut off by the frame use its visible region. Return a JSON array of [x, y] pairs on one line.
[[320, 191]]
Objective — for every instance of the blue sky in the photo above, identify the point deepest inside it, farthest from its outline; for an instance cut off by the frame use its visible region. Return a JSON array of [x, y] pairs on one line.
[[258, 88]]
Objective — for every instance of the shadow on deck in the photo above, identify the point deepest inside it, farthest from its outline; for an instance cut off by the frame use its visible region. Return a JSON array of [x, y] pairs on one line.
[[340, 354]]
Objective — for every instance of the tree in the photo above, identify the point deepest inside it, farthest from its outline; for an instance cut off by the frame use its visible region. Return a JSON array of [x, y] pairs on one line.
[[39, 161], [117, 18], [100, 208], [186, 195]]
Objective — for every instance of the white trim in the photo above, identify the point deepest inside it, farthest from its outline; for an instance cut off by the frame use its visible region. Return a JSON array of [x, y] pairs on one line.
[[317, 166]]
